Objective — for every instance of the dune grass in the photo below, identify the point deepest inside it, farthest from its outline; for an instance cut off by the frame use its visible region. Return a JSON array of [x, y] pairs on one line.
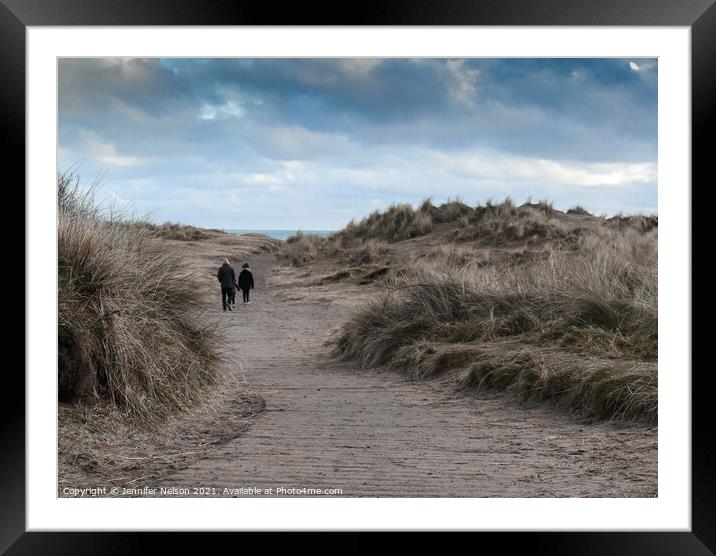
[[504, 222], [127, 333], [301, 249], [368, 240], [398, 222], [542, 303], [180, 232], [578, 327]]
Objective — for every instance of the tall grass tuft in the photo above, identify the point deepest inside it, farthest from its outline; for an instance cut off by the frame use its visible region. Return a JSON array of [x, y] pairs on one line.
[[180, 232], [398, 222], [503, 222], [127, 328], [301, 248]]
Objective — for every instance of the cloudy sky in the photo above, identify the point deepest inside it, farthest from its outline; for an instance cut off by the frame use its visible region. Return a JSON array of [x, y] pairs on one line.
[[312, 143]]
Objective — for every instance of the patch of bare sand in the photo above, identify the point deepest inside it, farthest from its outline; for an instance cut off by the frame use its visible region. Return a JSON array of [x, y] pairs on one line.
[[99, 449]]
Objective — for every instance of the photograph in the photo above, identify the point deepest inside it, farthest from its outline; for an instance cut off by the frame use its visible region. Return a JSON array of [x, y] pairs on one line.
[[402, 274], [357, 277]]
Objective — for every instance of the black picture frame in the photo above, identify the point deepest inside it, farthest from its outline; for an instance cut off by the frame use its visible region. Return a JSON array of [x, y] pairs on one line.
[[699, 15]]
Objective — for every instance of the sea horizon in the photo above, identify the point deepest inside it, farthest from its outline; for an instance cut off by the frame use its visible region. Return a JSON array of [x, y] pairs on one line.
[[280, 234]]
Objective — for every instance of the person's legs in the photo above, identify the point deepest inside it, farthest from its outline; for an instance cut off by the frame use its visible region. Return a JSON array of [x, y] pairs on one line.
[[226, 298], [246, 295]]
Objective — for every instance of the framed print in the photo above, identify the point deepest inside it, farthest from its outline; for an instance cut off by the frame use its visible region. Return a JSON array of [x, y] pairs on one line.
[[399, 273]]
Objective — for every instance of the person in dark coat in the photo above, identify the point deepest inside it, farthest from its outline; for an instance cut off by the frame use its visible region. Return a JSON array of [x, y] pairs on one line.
[[246, 282], [226, 277]]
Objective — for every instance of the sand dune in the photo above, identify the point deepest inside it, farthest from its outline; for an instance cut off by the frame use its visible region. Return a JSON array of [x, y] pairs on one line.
[[298, 419]]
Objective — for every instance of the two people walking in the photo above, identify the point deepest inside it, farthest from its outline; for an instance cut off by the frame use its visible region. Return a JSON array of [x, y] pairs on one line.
[[229, 283]]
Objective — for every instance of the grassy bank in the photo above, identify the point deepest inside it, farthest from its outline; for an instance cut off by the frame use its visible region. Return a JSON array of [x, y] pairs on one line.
[[127, 333], [541, 303], [302, 249]]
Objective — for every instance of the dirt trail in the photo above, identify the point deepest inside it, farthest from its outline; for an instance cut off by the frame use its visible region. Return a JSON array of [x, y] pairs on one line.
[[376, 433]]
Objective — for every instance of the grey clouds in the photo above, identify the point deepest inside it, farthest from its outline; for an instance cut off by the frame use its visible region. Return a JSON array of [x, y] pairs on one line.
[[311, 143]]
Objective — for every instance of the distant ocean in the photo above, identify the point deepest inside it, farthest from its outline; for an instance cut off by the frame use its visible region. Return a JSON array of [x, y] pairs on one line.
[[280, 234]]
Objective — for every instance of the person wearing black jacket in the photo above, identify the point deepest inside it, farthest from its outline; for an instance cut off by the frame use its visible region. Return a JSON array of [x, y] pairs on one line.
[[246, 282], [226, 277]]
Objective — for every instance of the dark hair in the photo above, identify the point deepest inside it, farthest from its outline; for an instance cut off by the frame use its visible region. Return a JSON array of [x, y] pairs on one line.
[[245, 265]]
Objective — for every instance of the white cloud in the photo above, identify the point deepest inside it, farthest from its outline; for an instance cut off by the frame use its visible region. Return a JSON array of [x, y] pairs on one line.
[[107, 152], [298, 143], [229, 109], [356, 68], [284, 174], [278, 149], [497, 166], [464, 87]]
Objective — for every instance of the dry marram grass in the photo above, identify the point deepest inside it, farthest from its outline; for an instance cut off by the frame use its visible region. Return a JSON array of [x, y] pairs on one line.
[[126, 305], [576, 325]]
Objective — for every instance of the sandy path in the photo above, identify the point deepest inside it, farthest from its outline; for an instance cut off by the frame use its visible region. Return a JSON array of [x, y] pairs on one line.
[[372, 433]]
